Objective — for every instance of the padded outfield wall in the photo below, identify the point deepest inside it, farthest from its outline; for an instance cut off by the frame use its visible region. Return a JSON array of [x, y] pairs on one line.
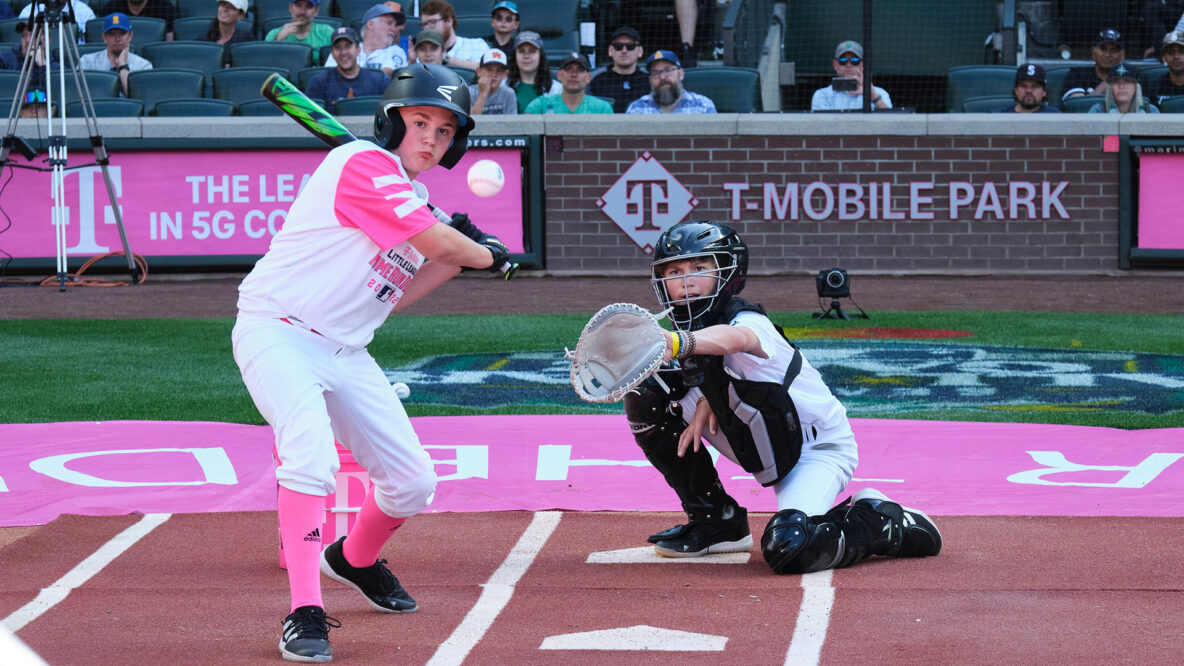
[[888, 193]]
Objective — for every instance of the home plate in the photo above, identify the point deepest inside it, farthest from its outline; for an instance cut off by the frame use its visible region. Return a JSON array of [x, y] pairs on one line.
[[646, 555], [640, 637]]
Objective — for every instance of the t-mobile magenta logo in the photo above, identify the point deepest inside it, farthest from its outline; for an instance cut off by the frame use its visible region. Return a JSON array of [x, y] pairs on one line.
[[645, 201]]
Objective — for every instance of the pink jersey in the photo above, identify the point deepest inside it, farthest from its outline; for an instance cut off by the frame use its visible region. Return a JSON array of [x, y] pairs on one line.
[[342, 259]]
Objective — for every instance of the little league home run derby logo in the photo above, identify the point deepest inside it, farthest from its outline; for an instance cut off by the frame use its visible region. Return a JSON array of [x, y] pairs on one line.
[[645, 201]]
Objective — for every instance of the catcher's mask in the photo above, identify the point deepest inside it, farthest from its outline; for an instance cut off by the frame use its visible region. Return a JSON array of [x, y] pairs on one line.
[[699, 239], [424, 85]]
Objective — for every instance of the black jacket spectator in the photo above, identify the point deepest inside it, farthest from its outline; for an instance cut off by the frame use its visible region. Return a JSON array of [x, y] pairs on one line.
[[622, 89]]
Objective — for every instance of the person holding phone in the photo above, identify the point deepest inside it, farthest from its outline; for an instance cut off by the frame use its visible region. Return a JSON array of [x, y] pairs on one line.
[[845, 93]]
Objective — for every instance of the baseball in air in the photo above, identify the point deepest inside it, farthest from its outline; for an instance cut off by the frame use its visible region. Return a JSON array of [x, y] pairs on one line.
[[402, 390], [486, 178]]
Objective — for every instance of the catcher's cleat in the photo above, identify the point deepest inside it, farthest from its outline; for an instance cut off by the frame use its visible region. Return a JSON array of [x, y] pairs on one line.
[[305, 636], [702, 537], [375, 582], [920, 537]]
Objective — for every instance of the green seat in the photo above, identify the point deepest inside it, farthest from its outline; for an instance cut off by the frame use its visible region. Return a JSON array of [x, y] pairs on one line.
[[258, 107], [188, 8], [8, 31], [475, 25], [161, 83], [194, 106], [9, 78], [206, 57], [193, 28], [288, 56], [468, 75], [989, 104], [99, 83], [1081, 103], [1056, 83], [1149, 74], [305, 75], [113, 107], [352, 10], [733, 89], [968, 81], [268, 9], [242, 84], [144, 29], [1174, 104], [364, 105]]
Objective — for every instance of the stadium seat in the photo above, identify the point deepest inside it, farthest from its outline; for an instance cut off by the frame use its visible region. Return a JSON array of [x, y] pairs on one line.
[[112, 107], [1149, 74], [474, 25], [9, 79], [8, 31], [365, 105], [144, 29], [352, 10], [188, 8], [474, 7], [289, 56], [205, 57], [274, 22], [1056, 84], [305, 75], [968, 81], [194, 106], [556, 21], [160, 83], [733, 89], [266, 9], [468, 75], [258, 107], [197, 27], [242, 84], [989, 104], [1173, 104], [1081, 103], [100, 84]]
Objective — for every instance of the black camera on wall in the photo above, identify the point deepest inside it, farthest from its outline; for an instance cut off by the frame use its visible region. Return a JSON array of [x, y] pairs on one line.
[[833, 283]]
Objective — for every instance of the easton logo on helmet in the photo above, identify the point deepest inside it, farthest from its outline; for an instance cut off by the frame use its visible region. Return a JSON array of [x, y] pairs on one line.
[[447, 91]]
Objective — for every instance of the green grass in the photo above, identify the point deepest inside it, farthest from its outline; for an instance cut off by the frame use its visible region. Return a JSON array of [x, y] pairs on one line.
[[182, 369]]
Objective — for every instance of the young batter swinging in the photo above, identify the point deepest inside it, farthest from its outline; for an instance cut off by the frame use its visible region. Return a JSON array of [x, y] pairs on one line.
[[359, 242]]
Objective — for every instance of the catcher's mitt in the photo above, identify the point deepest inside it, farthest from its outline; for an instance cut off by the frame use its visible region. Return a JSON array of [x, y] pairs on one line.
[[620, 347]]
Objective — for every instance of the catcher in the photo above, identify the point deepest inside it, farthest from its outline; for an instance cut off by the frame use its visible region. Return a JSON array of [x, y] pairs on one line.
[[735, 380]]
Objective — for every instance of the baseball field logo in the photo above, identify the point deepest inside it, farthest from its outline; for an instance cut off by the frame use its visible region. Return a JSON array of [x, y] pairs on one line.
[[645, 201]]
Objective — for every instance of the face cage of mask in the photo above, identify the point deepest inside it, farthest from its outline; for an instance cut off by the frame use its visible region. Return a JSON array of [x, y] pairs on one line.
[[684, 311]]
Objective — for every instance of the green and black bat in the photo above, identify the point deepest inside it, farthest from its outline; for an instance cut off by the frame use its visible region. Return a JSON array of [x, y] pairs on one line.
[[324, 126]]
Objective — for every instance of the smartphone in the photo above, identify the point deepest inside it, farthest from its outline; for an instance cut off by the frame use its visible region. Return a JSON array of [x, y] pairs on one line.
[[844, 84]]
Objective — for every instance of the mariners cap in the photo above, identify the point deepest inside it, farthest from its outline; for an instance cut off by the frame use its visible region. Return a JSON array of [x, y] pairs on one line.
[[117, 21], [575, 57], [511, 7], [431, 37], [1109, 36], [240, 5], [494, 57], [848, 47], [384, 9], [1123, 71], [1031, 72], [662, 55], [625, 30], [1173, 37], [528, 37]]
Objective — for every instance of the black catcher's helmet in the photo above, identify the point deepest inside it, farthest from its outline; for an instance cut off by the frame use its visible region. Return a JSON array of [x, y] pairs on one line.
[[424, 85], [699, 238]]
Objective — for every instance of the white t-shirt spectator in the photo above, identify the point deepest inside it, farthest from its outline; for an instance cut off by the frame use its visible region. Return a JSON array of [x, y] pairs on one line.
[[98, 60], [392, 57], [468, 48]]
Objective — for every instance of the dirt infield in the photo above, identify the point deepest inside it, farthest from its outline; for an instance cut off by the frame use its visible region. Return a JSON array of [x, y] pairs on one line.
[[214, 296]]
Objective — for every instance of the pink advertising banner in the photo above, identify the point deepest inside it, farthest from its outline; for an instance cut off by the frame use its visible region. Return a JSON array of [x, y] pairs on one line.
[[215, 202], [1160, 225]]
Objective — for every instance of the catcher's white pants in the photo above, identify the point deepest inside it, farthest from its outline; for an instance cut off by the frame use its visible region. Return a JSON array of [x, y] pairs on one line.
[[312, 390]]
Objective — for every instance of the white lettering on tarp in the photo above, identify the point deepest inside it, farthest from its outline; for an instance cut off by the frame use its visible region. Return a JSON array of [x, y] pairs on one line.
[[215, 465], [3, 487], [554, 462], [1055, 462], [218, 224], [471, 461]]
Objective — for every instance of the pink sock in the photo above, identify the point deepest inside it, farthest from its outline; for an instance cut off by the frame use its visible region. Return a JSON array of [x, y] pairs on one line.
[[371, 530], [301, 517]]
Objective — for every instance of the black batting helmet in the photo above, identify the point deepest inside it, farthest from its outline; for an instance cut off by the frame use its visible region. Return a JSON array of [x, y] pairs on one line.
[[700, 238], [424, 85]]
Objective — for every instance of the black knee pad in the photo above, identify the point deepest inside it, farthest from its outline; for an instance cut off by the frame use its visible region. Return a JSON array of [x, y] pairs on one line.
[[794, 543], [651, 417]]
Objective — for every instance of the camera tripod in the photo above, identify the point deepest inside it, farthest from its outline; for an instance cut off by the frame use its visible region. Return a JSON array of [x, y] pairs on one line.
[[56, 19], [835, 311]]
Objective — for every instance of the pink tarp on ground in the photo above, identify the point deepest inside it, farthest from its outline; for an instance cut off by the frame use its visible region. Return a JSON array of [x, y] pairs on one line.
[[589, 462]]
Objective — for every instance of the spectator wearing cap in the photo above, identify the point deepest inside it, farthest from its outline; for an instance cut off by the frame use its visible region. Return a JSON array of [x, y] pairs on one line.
[[667, 94], [1123, 93], [459, 51], [529, 76], [225, 30], [161, 9], [1030, 92], [848, 64], [35, 104], [1107, 53], [82, 14], [505, 22], [574, 74], [1171, 82], [429, 47], [381, 25], [624, 81], [118, 56], [14, 58], [348, 78], [489, 96], [303, 28]]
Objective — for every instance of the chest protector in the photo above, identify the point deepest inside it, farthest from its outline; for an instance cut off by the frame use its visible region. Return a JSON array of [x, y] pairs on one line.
[[758, 418]]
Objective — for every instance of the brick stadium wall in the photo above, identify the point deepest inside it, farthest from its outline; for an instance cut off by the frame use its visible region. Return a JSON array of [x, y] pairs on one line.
[[582, 238]]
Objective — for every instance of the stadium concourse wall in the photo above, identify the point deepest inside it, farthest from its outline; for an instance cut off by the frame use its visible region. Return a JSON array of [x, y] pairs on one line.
[[887, 193]]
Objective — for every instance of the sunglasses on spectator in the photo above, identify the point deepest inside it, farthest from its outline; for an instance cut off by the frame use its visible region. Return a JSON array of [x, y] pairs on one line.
[[665, 72], [624, 46], [853, 60], [35, 96]]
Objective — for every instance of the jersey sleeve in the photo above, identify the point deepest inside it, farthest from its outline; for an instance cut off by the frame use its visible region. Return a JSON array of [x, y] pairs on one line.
[[764, 330], [375, 196]]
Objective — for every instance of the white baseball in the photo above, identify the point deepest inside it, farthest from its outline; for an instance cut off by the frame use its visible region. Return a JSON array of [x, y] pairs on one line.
[[402, 390], [486, 178]]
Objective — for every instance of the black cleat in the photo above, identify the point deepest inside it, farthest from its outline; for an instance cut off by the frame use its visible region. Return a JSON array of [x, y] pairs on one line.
[[920, 537], [306, 635], [375, 582], [702, 537]]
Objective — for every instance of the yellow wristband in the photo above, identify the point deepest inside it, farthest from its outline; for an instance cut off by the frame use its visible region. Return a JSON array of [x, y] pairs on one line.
[[674, 345]]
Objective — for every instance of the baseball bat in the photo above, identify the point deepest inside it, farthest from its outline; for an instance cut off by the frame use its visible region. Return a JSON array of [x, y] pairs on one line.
[[324, 126]]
